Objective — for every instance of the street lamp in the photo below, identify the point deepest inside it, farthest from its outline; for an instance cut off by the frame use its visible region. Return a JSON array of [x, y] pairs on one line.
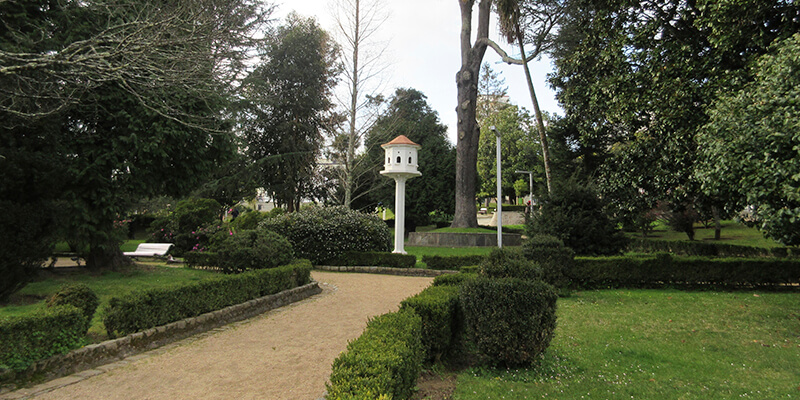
[[530, 193], [499, 192]]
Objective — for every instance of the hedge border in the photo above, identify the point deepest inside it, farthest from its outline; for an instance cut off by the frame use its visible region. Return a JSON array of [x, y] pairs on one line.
[[113, 350], [430, 273]]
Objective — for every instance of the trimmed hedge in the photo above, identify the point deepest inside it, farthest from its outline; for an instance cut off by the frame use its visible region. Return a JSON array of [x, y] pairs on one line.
[[664, 270], [384, 361], [78, 295], [374, 259], [454, 279], [150, 308], [511, 321], [438, 307], [27, 339], [555, 259], [451, 262], [510, 263], [196, 259], [696, 248]]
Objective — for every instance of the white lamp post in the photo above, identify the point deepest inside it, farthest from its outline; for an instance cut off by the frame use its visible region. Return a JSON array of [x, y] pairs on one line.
[[401, 165], [499, 192]]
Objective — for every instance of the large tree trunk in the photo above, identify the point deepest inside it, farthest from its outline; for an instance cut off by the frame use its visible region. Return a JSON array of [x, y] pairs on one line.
[[107, 256], [466, 215]]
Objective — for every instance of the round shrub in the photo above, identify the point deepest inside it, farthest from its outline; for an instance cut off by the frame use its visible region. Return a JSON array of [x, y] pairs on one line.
[[252, 249], [556, 260], [511, 321], [77, 295], [509, 263], [248, 220], [322, 233]]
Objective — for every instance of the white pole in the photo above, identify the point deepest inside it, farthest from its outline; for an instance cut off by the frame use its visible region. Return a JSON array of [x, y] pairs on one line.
[[499, 194], [399, 214]]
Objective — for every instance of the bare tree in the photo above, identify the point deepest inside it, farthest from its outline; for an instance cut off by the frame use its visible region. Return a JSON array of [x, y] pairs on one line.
[[153, 49], [357, 23]]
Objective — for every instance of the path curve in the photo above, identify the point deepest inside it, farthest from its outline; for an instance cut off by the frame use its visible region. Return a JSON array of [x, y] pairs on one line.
[[283, 354]]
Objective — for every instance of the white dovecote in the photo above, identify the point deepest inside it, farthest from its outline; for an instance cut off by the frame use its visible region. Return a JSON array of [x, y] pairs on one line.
[[401, 165]]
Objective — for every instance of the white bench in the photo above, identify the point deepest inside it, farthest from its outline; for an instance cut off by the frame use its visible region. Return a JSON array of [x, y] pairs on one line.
[[150, 250]]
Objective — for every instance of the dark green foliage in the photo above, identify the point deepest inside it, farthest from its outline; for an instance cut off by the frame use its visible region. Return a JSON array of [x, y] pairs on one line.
[[510, 263], [376, 259], [575, 214], [511, 321], [451, 262], [384, 361], [51, 331], [77, 295], [555, 259], [453, 279], [25, 243], [697, 248], [249, 220], [190, 226], [438, 308], [252, 249], [664, 270], [197, 259], [150, 308], [322, 233]]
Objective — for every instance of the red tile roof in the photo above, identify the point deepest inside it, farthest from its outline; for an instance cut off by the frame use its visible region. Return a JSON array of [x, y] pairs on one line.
[[402, 139]]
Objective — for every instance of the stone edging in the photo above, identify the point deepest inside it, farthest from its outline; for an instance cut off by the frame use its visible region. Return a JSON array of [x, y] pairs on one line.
[[94, 355], [387, 270]]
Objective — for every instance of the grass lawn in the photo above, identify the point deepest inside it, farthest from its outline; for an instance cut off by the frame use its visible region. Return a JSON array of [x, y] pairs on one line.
[[106, 284], [732, 233], [659, 344]]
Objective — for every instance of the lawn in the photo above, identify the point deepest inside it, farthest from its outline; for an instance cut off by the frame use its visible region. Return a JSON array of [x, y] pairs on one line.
[[659, 344], [732, 233], [106, 284]]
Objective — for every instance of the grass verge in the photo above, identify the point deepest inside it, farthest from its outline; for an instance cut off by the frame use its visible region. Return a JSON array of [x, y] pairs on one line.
[[659, 344]]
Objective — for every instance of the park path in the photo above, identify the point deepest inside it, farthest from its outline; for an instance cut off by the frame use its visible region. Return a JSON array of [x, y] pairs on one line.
[[283, 354]]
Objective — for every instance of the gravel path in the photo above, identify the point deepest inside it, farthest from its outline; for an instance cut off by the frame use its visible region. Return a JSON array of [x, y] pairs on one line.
[[283, 354]]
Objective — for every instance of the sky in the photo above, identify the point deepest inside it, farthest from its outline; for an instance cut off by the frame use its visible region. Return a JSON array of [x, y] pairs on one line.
[[422, 39]]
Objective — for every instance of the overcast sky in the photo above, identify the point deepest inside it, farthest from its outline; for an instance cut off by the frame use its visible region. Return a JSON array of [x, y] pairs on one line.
[[423, 43]]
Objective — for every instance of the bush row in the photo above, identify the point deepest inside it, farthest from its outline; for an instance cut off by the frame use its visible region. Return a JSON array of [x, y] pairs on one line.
[[451, 262], [695, 248], [374, 259], [53, 330], [662, 270], [150, 308], [383, 363], [438, 308]]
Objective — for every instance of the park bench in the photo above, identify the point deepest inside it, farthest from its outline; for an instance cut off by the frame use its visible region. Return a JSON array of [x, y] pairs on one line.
[[149, 250]]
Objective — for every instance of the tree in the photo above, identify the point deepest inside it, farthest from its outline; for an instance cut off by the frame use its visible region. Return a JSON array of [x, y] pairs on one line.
[[409, 114], [287, 106], [751, 145], [357, 21]]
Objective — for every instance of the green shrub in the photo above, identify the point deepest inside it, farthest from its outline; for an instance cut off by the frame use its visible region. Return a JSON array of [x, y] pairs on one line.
[[511, 321], [323, 233], [78, 295], [438, 308], [453, 279], [154, 307], [248, 220], [470, 269], [252, 249], [555, 259], [697, 248], [384, 361], [26, 240], [510, 263], [575, 214], [451, 262], [662, 269], [374, 259], [189, 226], [50, 331], [196, 259]]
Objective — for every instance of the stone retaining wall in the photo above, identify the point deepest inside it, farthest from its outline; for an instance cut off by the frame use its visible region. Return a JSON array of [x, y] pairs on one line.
[[461, 239], [386, 270], [116, 349]]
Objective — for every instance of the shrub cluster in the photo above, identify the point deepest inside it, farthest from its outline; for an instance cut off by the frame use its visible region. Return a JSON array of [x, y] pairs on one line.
[[384, 362], [322, 233], [190, 226], [79, 296], [374, 259], [453, 279], [510, 320], [664, 270], [252, 249], [53, 330], [451, 262], [510, 263], [555, 259], [695, 248], [438, 308], [150, 308]]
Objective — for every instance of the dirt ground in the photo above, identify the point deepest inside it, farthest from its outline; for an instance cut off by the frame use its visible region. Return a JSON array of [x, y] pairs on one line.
[[283, 354]]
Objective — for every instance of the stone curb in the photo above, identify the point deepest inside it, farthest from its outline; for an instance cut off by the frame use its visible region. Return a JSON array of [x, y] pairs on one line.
[[387, 270], [59, 368]]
